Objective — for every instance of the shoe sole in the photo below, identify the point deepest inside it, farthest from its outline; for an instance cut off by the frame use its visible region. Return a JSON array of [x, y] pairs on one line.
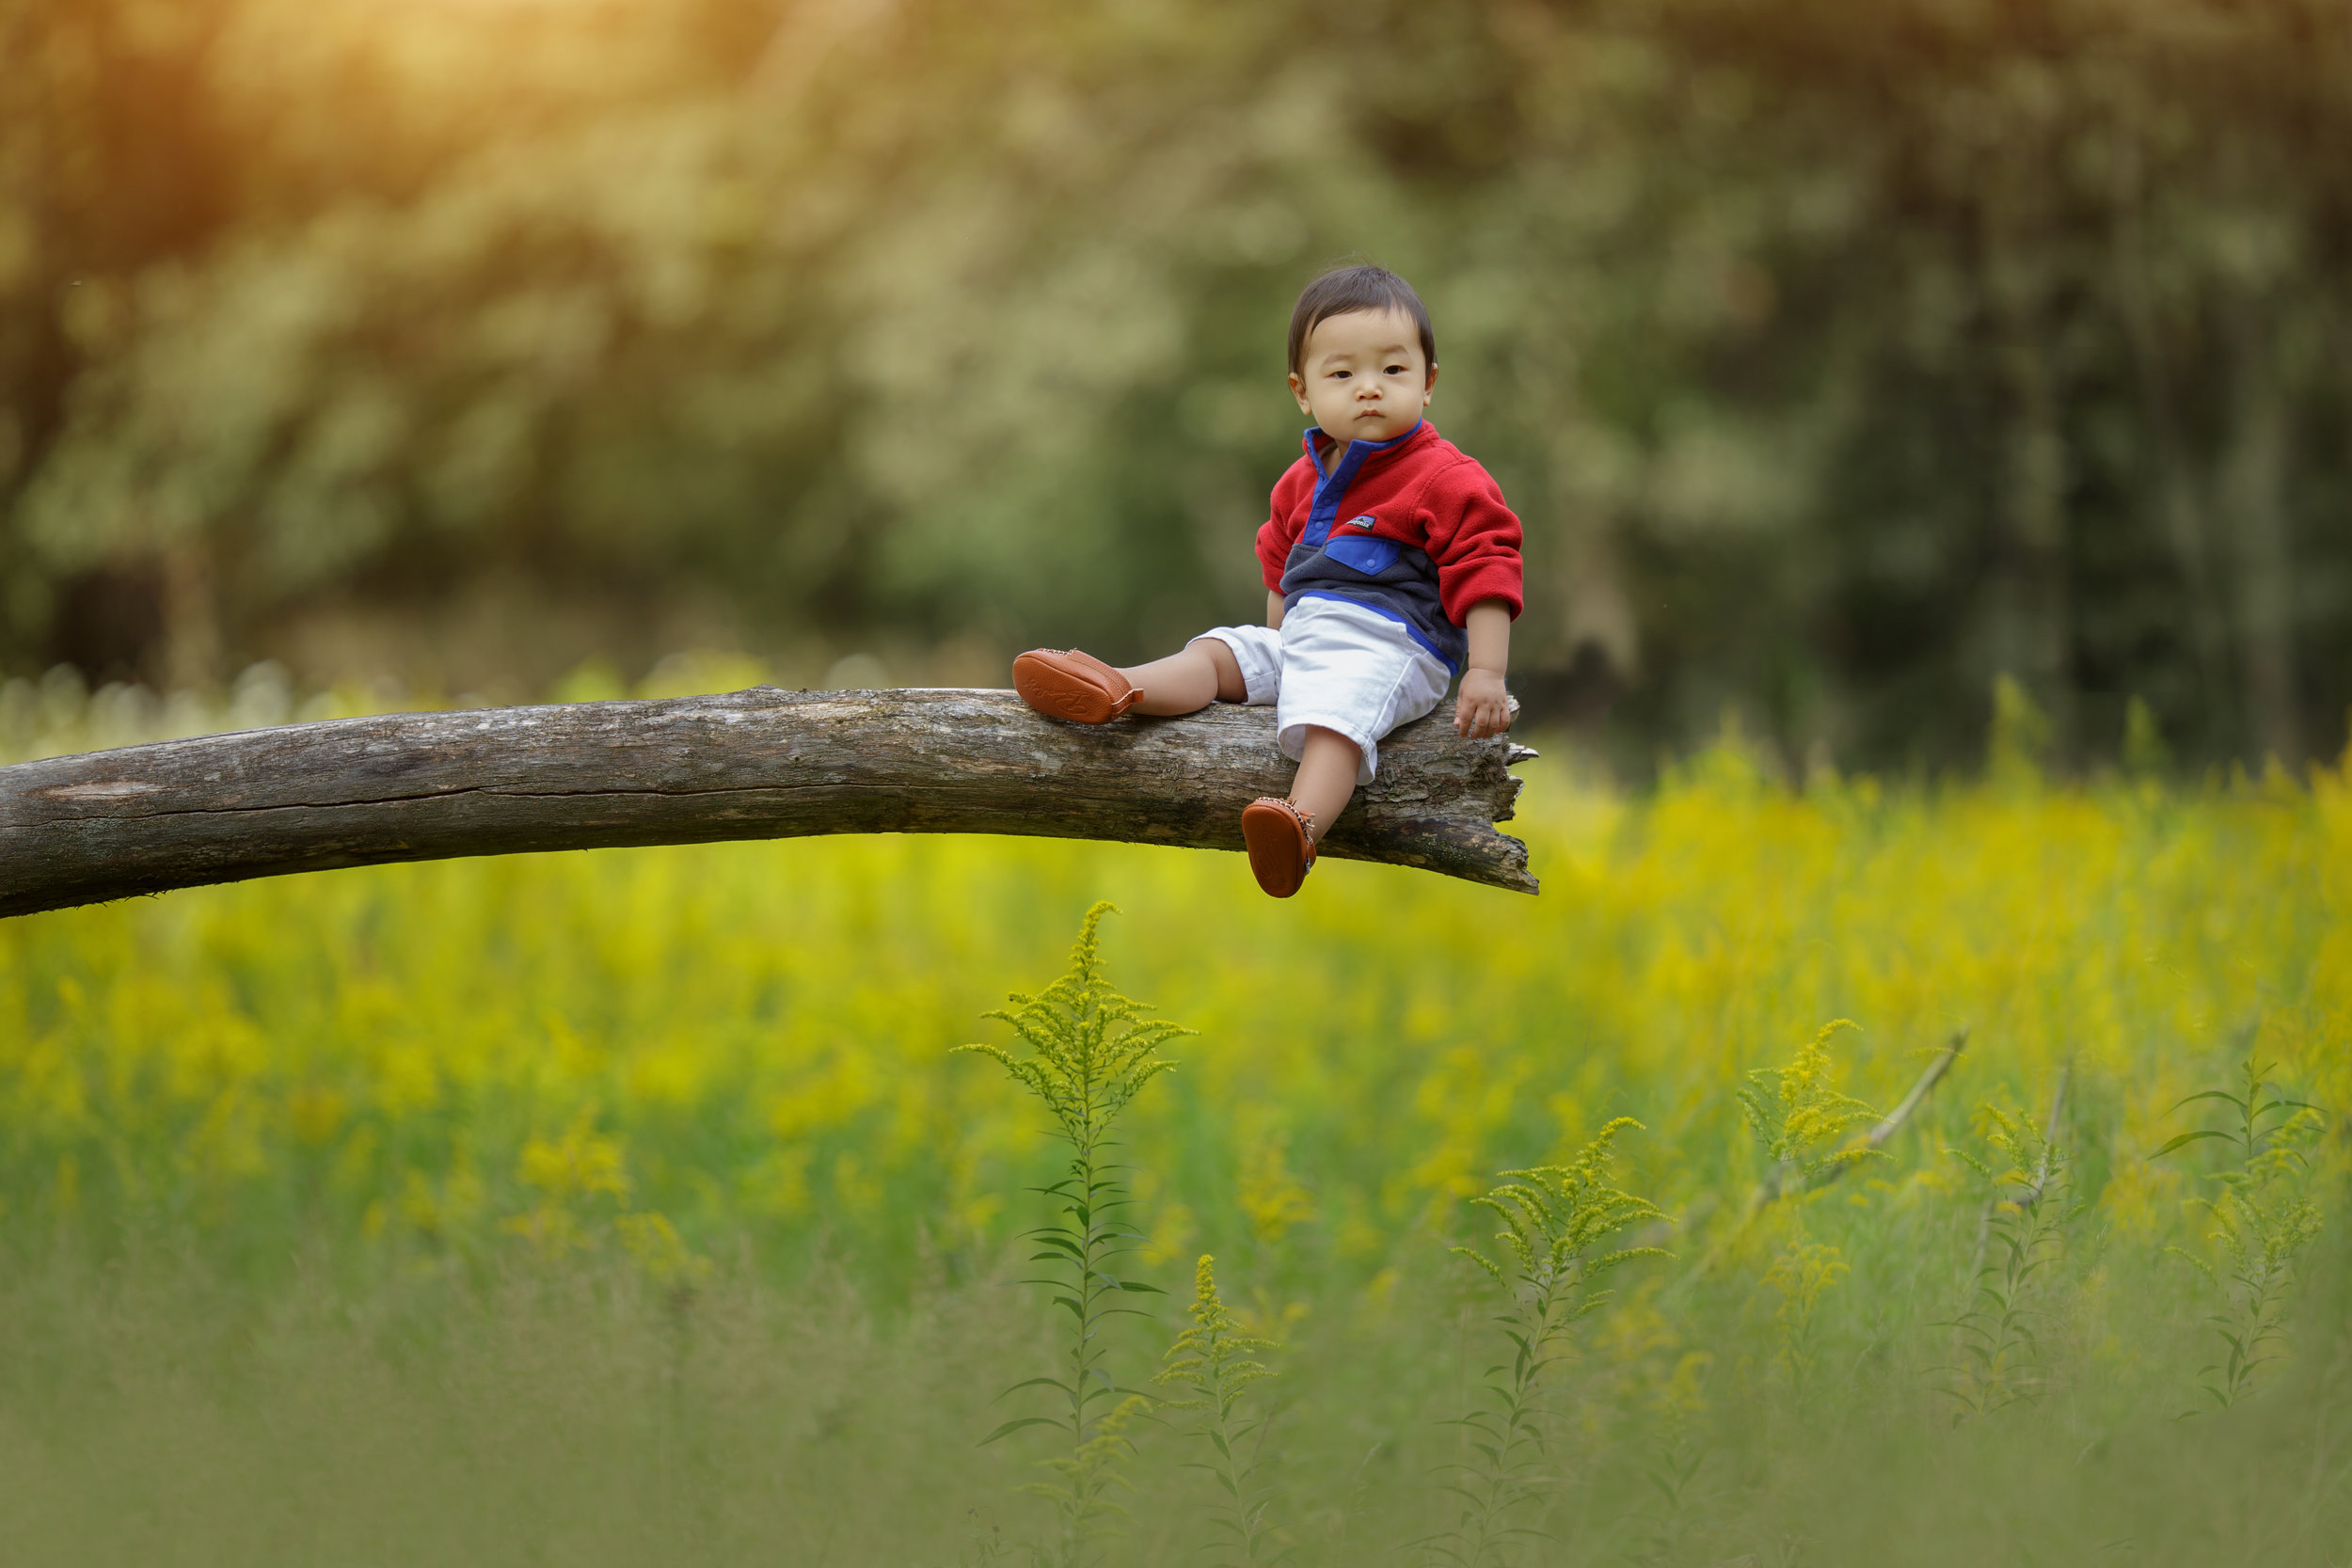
[[1277, 853], [1057, 693]]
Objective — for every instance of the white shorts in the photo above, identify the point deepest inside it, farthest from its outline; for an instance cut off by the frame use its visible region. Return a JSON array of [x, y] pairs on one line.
[[1341, 666]]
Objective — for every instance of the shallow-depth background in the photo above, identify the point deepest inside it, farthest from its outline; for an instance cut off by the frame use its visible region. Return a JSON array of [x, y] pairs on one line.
[[1842, 356]]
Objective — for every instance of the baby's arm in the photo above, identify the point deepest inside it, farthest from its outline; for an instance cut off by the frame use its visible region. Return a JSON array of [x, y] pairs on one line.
[[1274, 609], [1483, 707]]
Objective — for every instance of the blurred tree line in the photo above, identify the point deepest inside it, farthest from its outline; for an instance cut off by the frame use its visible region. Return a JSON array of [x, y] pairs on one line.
[[1842, 355]]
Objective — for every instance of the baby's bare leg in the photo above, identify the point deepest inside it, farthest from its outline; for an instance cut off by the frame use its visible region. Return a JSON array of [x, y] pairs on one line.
[[1204, 673], [1326, 776]]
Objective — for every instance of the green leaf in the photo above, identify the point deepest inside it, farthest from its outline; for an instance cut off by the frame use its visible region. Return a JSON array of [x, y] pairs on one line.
[[2187, 1138], [1010, 1427], [1036, 1382]]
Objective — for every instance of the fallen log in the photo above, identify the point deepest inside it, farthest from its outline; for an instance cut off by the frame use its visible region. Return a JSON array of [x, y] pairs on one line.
[[757, 764]]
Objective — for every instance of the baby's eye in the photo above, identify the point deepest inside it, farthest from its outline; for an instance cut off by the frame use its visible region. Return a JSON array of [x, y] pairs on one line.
[[1398, 370], [1342, 375]]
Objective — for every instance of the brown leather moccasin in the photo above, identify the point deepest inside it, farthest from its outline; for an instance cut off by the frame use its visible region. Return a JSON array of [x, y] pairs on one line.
[[1067, 684], [1281, 851]]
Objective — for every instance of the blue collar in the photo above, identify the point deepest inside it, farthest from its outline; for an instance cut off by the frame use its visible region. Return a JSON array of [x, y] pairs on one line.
[[1331, 487], [1358, 450]]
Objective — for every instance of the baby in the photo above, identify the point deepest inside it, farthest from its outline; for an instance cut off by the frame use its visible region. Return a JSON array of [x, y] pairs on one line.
[[1391, 564]]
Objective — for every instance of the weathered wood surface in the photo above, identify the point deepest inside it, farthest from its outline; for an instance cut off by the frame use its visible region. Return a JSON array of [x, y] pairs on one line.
[[757, 764]]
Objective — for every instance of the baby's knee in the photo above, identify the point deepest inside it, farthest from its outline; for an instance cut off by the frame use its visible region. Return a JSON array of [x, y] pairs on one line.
[[1232, 686]]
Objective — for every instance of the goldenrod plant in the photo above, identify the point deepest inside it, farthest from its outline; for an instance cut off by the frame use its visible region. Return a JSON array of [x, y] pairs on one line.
[[2262, 1217], [1215, 1364], [1804, 1271], [1999, 1355], [1802, 1122], [1802, 1126], [567, 1177], [1555, 1220], [1091, 1052]]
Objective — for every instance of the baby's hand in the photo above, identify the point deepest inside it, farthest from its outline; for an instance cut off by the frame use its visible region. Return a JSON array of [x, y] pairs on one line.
[[1483, 708]]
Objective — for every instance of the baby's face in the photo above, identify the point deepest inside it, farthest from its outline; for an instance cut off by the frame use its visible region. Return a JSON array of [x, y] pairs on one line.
[[1363, 375]]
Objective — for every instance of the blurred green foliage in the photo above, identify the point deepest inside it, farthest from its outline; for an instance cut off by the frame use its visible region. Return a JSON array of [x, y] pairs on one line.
[[1842, 355]]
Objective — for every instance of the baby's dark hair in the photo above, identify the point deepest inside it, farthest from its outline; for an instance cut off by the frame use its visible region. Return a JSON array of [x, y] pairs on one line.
[[1343, 290]]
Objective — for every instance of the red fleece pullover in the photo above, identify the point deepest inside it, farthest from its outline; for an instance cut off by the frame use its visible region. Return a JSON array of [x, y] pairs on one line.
[[1451, 540]]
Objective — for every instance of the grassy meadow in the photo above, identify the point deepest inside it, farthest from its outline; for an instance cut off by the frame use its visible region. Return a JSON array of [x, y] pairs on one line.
[[633, 1206]]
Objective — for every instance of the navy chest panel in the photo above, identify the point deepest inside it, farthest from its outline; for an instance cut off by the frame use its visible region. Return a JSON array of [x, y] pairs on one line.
[[1348, 555]]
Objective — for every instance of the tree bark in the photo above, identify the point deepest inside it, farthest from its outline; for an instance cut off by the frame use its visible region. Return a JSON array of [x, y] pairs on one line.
[[2254, 479], [2170, 472], [756, 764], [2033, 629]]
